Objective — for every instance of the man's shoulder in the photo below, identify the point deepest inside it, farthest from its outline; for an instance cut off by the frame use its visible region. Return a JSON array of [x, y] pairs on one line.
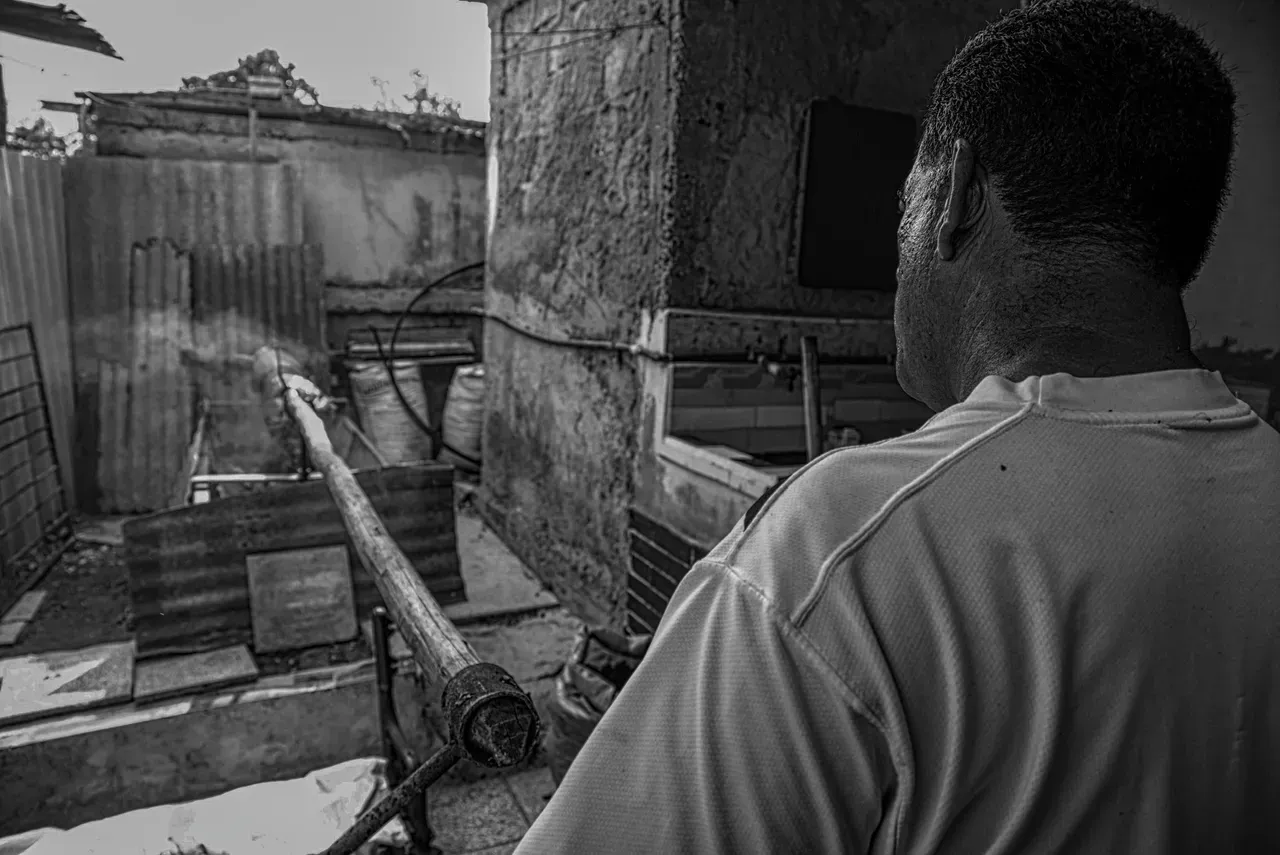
[[829, 506]]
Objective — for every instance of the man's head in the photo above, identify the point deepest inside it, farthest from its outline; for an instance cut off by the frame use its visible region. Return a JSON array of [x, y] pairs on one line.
[[1065, 142]]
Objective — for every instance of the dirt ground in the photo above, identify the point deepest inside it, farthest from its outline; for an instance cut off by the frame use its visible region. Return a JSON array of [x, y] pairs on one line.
[[87, 603]]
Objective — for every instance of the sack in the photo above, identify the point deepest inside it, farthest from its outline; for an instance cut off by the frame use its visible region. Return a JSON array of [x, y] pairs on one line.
[[600, 665], [463, 421], [384, 418]]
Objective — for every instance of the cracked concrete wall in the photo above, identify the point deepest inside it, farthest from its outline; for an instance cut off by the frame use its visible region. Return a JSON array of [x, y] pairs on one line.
[[752, 70], [578, 146]]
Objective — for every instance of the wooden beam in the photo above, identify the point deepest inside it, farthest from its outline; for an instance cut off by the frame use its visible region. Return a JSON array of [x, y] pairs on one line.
[[430, 635]]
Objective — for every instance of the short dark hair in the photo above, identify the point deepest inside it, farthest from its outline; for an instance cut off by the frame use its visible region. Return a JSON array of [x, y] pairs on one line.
[[1099, 121]]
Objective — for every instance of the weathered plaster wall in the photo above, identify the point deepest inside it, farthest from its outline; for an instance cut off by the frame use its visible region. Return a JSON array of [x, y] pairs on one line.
[[578, 151], [385, 210], [748, 74], [1236, 294], [752, 69]]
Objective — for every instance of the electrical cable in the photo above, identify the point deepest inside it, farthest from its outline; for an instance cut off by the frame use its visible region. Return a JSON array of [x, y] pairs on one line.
[[577, 344]]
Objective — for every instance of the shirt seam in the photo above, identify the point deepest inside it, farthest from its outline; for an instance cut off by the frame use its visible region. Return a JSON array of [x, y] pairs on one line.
[[899, 496], [797, 635]]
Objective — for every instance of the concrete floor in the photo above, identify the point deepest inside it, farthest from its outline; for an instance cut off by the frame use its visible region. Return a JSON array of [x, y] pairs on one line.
[[488, 816]]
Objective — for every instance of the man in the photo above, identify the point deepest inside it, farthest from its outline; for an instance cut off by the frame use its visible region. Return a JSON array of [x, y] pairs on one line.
[[1049, 620]]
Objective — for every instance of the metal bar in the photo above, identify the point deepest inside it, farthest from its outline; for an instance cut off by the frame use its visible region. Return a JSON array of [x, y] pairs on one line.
[[812, 396], [26, 437], [396, 801], [52, 470], [26, 461], [252, 478], [400, 755], [5, 360], [22, 387], [196, 447], [34, 509], [30, 411], [48, 421]]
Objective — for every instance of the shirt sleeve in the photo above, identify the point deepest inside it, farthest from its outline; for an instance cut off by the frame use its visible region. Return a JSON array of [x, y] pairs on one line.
[[731, 737]]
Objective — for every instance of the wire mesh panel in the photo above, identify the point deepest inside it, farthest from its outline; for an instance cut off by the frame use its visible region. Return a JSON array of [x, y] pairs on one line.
[[34, 517]]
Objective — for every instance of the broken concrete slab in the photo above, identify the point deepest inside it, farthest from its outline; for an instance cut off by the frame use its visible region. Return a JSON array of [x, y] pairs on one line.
[[497, 582], [157, 679], [301, 598], [44, 684], [26, 607], [105, 531]]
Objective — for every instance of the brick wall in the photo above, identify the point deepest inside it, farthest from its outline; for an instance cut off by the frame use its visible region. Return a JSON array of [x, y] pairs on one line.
[[746, 408]]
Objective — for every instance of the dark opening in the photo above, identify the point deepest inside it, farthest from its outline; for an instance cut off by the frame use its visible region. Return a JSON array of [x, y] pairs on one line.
[[857, 159]]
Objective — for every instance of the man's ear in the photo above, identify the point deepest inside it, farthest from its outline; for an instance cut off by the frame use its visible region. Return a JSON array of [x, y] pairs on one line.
[[964, 198]]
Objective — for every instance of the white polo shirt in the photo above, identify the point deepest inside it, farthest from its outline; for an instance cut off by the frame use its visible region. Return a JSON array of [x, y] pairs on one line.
[[1046, 622]]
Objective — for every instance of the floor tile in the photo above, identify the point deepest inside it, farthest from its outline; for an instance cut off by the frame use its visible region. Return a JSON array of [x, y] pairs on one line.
[[532, 790], [475, 816]]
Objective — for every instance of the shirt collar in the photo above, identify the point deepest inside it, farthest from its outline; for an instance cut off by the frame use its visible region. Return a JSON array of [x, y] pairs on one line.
[[1179, 391]]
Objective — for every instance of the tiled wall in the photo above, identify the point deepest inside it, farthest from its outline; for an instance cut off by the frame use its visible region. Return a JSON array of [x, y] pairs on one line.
[[747, 408], [660, 558]]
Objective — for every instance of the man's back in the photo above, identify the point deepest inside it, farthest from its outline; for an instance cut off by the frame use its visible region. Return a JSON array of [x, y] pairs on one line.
[[1046, 622]]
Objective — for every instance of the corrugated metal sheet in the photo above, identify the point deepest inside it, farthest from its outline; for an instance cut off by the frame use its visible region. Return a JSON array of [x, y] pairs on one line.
[[247, 297], [112, 204], [146, 398], [33, 280], [187, 568]]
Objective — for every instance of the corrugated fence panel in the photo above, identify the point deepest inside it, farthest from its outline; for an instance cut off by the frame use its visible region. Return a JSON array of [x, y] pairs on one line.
[[33, 281], [147, 400], [247, 297], [187, 566], [113, 203]]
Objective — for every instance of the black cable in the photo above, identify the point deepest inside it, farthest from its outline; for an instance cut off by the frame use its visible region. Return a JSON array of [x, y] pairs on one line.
[[579, 344], [387, 359]]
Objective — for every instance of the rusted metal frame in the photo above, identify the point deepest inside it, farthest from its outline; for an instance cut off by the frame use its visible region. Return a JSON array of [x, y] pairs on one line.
[[400, 756]]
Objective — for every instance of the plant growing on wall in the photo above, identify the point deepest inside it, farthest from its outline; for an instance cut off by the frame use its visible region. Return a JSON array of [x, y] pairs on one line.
[[418, 101], [41, 139], [264, 63]]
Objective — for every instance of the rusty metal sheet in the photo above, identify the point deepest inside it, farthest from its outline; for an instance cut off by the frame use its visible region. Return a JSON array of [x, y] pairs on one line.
[[247, 297], [113, 203], [146, 397], [187, 566], [33, 275]]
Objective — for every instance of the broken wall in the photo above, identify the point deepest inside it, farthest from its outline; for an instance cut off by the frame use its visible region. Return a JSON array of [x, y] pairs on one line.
[[577, 160]]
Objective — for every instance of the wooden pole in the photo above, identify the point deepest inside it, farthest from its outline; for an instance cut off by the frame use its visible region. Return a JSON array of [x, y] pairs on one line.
[[424, 627], [812, 396]]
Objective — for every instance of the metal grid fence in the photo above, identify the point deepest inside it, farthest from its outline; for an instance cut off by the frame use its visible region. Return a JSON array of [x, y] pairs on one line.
[[35, 520]]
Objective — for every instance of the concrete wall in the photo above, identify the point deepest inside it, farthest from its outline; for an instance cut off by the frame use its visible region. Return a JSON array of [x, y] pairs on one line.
[[748, 76], [578, 153], [752, 70], [388, 210]]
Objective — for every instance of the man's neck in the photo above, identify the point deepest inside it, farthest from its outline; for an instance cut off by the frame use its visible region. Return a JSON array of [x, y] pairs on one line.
[[1159, 340]]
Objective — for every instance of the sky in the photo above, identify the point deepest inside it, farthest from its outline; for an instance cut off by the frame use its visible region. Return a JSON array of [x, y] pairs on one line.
[[336, 47]]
